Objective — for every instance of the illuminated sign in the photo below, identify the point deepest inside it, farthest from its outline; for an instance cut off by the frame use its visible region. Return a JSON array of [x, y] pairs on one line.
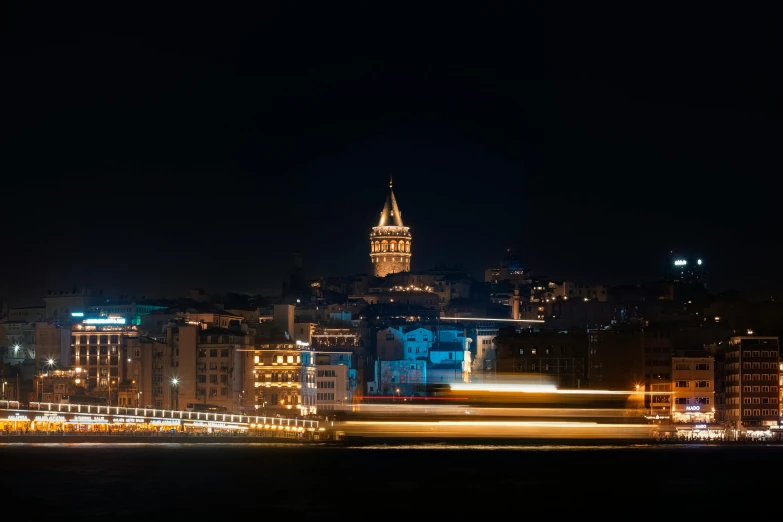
[[164, 422], [86, 419], [18, 417], [105, 320], [49, 418], [693, 408], [202, 424], [680, 262], [77, 314], [127, 420], [700, 427]]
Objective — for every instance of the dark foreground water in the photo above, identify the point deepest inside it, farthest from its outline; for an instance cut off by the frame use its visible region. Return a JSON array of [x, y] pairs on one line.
[[223, 482]]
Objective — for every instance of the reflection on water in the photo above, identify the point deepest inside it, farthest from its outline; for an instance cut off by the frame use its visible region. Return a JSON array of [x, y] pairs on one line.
[[304, 482]]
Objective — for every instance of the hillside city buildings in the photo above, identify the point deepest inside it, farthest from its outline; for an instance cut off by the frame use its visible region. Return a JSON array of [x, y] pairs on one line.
[[697, 362]]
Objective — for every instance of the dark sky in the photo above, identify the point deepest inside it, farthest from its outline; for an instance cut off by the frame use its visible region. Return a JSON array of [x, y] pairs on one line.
[[148, 152]]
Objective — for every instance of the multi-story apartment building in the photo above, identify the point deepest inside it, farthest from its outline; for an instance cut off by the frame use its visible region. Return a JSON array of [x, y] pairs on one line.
[[561, 356], [752, 380], [483, 336], [191, 366], [335, 381], [284, 378], [631, 357], [693, 394]]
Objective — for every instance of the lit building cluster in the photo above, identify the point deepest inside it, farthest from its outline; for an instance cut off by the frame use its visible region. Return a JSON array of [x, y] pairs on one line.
[[332, 343]]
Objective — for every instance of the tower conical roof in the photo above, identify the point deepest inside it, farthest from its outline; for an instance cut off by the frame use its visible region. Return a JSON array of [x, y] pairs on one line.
[[390, 215]]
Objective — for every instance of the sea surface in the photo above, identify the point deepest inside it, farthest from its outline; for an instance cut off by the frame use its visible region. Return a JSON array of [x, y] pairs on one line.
[[150, 482]]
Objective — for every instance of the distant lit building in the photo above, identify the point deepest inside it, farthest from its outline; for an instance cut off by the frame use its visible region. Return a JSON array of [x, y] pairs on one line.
[[191, 365], [626, 357], [27, 314], [561, 356], [99, 348], [20, 339], [483, 337], [545, 291], [687, 269], [399, 378], [510, 270], [285, 378], [335, 381], [752, 380], [325, 337], [61, 305], [693, 393], [390, 241]]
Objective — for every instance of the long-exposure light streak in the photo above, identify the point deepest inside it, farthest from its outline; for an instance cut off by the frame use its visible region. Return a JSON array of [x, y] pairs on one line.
[[491, 319]]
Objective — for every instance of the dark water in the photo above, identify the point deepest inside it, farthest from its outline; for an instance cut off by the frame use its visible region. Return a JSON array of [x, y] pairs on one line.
[[168, 482]]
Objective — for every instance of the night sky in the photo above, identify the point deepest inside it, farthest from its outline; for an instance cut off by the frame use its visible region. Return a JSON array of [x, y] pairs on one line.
[[148, 152]]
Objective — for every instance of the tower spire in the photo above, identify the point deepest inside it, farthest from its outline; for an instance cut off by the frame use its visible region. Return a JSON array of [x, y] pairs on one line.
[[390, 181]]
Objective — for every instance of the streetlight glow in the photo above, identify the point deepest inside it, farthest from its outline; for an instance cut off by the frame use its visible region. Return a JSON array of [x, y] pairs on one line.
[[174, 381]]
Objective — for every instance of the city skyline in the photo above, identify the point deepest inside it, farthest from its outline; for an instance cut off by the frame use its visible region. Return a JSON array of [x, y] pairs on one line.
[[462, 254]]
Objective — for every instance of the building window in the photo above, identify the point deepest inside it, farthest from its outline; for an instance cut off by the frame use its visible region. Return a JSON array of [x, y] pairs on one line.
[[681, 384], [702, 384]]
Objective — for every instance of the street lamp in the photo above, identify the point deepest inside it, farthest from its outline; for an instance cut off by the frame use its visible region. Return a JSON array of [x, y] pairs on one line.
[[175, 391], [118, 392]]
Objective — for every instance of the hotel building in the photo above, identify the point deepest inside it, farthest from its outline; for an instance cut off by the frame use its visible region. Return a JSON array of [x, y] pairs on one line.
[[285, 378], [99, 348]]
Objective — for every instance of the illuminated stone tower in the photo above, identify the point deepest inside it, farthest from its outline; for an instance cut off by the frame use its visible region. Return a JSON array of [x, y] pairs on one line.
[[390, 241]]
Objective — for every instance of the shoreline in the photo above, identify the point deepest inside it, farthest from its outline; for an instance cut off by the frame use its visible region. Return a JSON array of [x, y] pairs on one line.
[[150, 439], [359, 441]]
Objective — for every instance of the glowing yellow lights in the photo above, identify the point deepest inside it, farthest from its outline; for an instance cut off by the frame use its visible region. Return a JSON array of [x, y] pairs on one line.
[[503, 387]]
